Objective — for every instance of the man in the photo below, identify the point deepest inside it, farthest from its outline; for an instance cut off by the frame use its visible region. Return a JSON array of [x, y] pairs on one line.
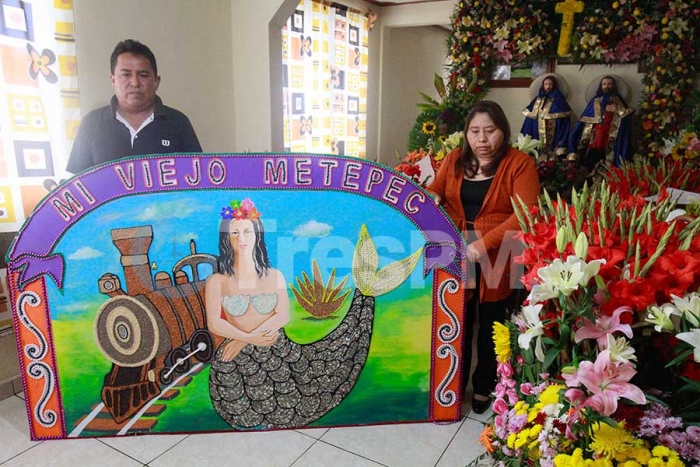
[[548, 119], [603, 131], [136, 122]]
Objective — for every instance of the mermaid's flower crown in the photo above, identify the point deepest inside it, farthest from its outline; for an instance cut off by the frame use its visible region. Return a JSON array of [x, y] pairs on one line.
[[239, 210]]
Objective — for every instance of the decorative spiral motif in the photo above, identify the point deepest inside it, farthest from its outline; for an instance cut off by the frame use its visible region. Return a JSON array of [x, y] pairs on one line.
[[33, 351], [443, 397], [37, 369], [448, 332], [47, 418]]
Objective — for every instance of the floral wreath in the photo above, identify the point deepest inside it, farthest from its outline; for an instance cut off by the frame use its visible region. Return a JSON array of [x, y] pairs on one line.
[[241, 210]]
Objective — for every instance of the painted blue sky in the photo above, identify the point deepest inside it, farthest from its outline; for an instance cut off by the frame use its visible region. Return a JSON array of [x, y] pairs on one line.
[[299, 225]]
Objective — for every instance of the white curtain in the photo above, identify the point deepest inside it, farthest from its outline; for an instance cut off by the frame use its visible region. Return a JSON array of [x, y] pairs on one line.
[[325, 57]]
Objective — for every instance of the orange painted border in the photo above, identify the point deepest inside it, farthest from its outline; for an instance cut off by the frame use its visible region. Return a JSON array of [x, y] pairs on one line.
[[446, 349], [37, 358]]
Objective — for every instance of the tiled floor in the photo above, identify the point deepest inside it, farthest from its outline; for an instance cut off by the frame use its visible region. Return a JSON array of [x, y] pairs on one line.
[[410, 445]]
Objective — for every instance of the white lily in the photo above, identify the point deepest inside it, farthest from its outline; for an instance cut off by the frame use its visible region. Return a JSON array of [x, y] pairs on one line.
[[692, 338], [565, 277], [661, 317], [528, 144], [689, 306], [453, 141], [620, 349], [531, 319]]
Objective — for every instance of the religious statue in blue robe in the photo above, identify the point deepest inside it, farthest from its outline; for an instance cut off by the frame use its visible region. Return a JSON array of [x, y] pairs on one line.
[[548, 119], [602, 133]]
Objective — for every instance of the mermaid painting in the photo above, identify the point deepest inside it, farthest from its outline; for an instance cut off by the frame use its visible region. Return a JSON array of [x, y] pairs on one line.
[[246, 301]]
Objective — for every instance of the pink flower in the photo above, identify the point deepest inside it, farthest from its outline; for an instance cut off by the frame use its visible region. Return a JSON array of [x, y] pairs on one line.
[[500, 406], [694, 144], [505, 369], [526, 389], [247, 204], [500, 390], [603, 326], [607, 382]]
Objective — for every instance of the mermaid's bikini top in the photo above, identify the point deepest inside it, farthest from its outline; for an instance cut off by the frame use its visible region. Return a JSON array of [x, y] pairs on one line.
[[236, 305]]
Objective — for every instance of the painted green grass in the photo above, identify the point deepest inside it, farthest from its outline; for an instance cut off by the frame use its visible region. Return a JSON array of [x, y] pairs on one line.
[[393, 385]]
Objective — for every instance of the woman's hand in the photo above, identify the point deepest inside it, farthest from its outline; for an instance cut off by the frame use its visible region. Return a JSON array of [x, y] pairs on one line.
[[473, 254], [231, 349], [436, 198], [263, 337]]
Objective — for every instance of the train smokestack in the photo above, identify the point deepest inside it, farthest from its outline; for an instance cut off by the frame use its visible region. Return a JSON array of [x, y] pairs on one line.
[[133, 244]]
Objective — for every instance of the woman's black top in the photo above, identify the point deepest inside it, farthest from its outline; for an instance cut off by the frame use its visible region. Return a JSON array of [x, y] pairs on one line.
[[473, 193]]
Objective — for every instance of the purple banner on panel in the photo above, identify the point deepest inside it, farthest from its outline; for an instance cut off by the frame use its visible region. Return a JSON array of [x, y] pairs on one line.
[[32, 250]]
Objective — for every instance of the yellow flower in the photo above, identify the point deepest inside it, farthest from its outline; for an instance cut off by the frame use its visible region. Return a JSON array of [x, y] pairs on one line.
[[661, 451], [616, 5], [511, 440], [550, 395], [429, 128], [501, 337], [611, 441]]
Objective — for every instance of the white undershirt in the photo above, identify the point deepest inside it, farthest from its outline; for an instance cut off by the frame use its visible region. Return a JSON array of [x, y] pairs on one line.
[[132, 131]]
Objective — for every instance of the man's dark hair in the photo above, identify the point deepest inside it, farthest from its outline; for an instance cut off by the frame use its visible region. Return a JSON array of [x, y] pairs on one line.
[[132, 47]]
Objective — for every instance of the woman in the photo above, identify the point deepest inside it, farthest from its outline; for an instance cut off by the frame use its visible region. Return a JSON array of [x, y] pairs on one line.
[[247, 301], [474, 185]]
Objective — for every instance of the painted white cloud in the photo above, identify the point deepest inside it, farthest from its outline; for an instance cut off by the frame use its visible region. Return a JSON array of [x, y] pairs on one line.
[[313, 229], [167, 210], [186, 237], [85, 253]]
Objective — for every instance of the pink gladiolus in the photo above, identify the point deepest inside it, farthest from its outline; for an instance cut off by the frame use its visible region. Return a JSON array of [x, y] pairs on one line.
[[603, 326], [607, 382], [526, 388]]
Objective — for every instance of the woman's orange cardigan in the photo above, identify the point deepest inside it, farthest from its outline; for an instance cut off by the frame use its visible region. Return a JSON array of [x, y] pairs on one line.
[[496, 223]]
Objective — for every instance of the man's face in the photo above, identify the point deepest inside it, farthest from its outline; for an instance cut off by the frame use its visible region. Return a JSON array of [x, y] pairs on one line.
[[548, 85], [135, 83], [607, 85]]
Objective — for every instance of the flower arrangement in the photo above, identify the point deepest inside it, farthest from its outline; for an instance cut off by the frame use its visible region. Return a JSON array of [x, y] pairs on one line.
[[572, 387], [440, 119], [661, 35], [557, 176], [640, 178], [485, 33]]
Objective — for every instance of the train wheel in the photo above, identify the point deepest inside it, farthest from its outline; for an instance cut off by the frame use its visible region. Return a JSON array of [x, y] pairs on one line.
[[180, 360], [201, 339], [165, 377]]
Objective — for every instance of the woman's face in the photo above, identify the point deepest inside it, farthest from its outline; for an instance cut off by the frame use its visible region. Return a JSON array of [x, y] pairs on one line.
[[484, 137], [242, 237]]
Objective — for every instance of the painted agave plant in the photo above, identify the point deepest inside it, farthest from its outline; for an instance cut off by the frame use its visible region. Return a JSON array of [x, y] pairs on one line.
[[318, 299]]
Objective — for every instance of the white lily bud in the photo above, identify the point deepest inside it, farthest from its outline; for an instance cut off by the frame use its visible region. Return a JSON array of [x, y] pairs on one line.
[[562, 239], [581, 247]]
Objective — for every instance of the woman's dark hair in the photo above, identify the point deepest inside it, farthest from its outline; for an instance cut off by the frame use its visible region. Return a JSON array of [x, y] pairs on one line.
[[130, 46], [226, 257], [468, 160]]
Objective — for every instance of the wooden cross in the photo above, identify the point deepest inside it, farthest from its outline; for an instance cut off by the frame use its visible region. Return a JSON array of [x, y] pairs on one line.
[[567, 8]]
